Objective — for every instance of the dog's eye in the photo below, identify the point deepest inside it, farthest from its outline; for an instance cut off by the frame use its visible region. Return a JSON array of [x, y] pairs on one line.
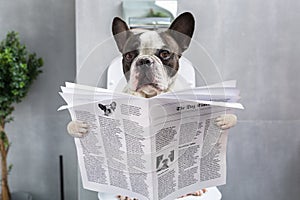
[[129, 56], [164, 54]]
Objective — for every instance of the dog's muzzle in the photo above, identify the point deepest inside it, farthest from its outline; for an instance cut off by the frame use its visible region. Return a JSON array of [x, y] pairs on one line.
[[147, 82]]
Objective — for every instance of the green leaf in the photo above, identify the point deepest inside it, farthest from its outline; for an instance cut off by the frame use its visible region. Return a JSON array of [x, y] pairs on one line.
[[18, 70], [9, 168], [2, 135], [8, 119]]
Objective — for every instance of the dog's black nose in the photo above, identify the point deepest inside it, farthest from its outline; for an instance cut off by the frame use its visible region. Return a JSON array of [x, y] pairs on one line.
[[144, 62]]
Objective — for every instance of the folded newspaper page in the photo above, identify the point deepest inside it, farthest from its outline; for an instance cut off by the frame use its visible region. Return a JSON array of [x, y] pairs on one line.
[[157, 148]]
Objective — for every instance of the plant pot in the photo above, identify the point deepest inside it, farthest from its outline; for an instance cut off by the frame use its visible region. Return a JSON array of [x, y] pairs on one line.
[[21, 196]]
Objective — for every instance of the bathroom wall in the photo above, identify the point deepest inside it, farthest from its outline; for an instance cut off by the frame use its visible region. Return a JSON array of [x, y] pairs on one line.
[[38, 132], [255, 42]]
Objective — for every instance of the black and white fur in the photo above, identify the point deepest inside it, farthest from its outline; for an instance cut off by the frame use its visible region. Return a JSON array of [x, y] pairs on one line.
[[151, 58]]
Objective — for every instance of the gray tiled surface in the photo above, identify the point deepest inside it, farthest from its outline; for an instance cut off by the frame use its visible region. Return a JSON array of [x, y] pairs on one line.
[[263, 161], [38, 133]]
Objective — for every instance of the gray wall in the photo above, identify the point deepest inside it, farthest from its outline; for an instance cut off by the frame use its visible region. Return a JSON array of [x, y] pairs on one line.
[[255, 42], [38, 133]]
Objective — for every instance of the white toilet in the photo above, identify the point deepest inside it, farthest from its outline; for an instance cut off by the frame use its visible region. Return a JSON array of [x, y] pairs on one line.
[[186, 79]]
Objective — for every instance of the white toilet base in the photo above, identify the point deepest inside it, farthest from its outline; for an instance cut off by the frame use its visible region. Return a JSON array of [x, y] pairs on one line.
[[212, 194]]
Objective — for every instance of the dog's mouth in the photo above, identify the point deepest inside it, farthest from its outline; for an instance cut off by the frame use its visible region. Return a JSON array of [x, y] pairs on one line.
[[149, 90], [148, 84]]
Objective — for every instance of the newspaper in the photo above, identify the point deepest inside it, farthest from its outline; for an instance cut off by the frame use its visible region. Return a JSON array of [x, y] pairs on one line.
[[157, 148]]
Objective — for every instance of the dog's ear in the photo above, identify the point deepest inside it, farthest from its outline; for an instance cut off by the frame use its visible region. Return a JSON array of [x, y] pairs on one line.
[[102, 107], [182, 29], [121, 32]]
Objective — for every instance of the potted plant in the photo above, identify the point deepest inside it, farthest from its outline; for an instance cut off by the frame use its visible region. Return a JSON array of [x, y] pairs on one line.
[[18, 69]]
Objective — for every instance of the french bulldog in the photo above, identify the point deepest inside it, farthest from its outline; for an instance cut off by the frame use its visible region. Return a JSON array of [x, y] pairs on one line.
[[150, 64], [108, 109]]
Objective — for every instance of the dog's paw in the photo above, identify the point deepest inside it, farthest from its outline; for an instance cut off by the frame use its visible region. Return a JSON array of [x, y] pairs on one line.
[[77, 128], [198, 193], [119, 197], [226, 121]]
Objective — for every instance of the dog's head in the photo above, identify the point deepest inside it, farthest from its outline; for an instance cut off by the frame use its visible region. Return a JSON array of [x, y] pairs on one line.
[[151, 58]]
